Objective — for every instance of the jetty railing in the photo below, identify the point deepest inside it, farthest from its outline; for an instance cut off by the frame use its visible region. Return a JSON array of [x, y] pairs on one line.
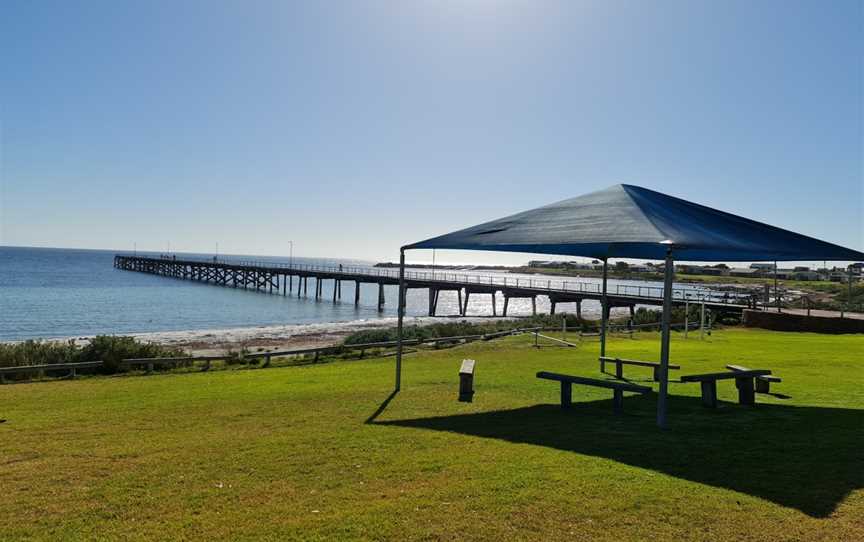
[[562, 286]]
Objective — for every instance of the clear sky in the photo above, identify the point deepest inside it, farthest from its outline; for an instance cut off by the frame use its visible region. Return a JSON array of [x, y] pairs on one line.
[[352, 128]]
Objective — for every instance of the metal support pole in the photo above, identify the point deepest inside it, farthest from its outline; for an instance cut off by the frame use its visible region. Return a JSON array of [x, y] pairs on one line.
[[604, 310], [686, 316], [664, 340], [776, 291], [400, 311]]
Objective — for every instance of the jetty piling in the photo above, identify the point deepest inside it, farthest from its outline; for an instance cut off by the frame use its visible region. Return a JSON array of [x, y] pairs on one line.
[[269, 277]]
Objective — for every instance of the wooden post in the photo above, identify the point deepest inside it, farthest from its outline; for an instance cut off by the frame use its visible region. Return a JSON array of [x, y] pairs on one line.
[[664, 340], [579, 310], [459, 291], [356, 293], [709, 393], [465, 307], [493, 304], [551, 306], [506, 302], [618, 401], [534, 305], [380, 296], [746, 394], [566, 394], [431, 301]]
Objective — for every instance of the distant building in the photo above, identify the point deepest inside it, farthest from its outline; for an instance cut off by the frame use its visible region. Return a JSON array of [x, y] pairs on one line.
[[807, 275], [745, 273]]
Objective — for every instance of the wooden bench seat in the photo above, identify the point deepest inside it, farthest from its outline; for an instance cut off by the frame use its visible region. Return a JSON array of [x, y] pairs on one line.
[[762, 383], [743, 381], [619, 366], [618, 388]]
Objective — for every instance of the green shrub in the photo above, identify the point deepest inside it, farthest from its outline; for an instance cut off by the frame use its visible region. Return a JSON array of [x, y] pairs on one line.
[[105, 348], [113, 349], [36, 353]]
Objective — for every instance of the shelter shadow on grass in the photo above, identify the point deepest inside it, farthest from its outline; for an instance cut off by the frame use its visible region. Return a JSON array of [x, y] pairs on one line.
[[807, 458]]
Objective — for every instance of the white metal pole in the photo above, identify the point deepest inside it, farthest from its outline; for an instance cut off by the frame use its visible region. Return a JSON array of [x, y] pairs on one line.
[[604, 310], [400, 315], [664, 340], [776, 291], [686, 316]]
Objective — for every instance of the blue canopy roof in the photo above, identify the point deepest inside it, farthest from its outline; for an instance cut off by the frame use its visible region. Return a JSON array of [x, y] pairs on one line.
[[626, 221]]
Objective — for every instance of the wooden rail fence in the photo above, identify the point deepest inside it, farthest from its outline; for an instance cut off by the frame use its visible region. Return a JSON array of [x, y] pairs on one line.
[[149, 364]]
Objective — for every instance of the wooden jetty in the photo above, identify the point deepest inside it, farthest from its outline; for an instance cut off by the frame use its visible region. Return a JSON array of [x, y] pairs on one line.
[[286, 279]]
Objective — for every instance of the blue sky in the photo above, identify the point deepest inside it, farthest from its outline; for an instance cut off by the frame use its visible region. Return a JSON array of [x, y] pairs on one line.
[[352, 128]]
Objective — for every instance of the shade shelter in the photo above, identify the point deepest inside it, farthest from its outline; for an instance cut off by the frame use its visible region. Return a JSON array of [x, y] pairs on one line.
[[626, 221]]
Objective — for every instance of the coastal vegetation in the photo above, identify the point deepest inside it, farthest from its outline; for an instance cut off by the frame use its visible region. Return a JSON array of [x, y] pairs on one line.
[[113, 349], [324, 452], [107, 348], [643, 316]]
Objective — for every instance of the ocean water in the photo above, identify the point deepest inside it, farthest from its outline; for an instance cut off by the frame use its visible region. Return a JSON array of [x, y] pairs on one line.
[[55, 293]]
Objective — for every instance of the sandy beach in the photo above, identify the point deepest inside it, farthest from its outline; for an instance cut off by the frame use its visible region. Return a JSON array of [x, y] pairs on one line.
[[279, 337]]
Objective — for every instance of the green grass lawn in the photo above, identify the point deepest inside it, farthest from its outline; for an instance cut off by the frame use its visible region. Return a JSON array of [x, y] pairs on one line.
[[299, 453]]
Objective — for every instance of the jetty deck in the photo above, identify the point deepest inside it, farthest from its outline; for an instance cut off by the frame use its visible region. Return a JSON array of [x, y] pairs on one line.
[[293, 279]]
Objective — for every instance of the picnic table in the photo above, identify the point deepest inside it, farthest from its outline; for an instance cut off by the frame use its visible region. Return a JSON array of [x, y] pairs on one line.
[[762, 383], [618, 388], [743, 381]]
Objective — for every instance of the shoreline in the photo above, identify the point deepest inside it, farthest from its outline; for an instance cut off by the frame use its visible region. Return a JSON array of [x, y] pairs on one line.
[[200, 342]]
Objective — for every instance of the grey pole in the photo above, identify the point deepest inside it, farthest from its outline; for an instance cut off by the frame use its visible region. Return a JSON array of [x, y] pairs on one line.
[[400, 311], [664, 341], [776, 291], [604, 311], [686, 316]]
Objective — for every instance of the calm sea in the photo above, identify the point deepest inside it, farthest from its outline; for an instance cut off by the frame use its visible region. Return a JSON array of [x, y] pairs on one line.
[[49, 293]]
